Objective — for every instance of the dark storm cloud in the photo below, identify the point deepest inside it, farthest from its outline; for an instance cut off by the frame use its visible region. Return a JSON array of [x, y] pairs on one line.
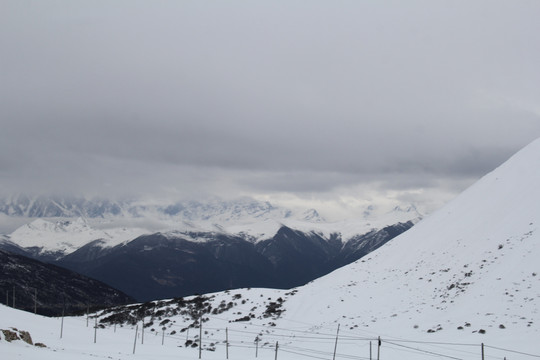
[[293, 96]]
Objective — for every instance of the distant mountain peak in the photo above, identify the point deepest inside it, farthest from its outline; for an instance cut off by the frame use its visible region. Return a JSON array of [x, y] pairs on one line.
[[312, 215]]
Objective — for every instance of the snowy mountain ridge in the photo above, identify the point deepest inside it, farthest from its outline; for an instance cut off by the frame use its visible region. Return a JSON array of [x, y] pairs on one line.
[[216, 210], [69, 235]]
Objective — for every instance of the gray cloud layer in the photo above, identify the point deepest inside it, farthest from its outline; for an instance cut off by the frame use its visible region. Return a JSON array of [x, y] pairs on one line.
[[263, 97]]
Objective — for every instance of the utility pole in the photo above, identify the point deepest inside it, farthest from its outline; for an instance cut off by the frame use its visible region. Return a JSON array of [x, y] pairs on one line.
[[227, 342], [200, 336], [142, 331], [370, 350], [482, 351], [135, 341], [256, 346], [379, 349], [277, 346], [63, 312], [335, 346], [95, 330]]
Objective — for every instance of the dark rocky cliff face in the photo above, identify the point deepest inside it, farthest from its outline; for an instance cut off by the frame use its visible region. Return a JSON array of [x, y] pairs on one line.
[[161, 266], [54, 287]]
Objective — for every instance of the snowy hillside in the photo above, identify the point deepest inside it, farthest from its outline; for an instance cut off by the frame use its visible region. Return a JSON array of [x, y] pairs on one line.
[[468, 275], [471, 266]]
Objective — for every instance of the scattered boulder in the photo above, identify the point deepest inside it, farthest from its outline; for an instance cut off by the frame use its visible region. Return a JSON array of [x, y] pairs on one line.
[[25, 336], [10, 335], [14, 335]]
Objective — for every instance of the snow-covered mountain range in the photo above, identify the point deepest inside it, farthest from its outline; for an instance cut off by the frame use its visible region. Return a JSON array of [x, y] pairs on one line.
[[213, 210], [69, 234], [464, 283], [235, 243]]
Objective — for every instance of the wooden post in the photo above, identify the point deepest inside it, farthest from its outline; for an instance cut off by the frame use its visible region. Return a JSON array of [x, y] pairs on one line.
[[277, 346], [227, 342], [482, 351], [95, 331], [335, 346], [379, 349], [200, 336], [370, 350], [135, 341]]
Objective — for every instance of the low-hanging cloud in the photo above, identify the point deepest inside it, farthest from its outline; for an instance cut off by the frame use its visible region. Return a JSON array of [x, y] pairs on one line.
[[261, 98]]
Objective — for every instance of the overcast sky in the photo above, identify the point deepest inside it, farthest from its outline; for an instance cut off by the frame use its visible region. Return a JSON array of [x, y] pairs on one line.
[[331, 104]]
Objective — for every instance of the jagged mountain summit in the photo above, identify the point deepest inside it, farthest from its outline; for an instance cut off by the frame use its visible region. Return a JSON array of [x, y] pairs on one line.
[[461, 284]]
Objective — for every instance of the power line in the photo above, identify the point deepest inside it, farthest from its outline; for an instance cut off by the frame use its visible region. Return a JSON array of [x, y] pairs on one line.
[[435, 342], [425, 351], [309, 336], [296, 353], [512, 351]]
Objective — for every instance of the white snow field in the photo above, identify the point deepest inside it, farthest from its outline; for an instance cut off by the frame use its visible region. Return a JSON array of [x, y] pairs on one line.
[[467, 275]]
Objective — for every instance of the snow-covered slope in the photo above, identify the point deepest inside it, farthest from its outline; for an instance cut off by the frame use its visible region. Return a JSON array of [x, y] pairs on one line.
[[473, 264], [468, 275], [67, 236]]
